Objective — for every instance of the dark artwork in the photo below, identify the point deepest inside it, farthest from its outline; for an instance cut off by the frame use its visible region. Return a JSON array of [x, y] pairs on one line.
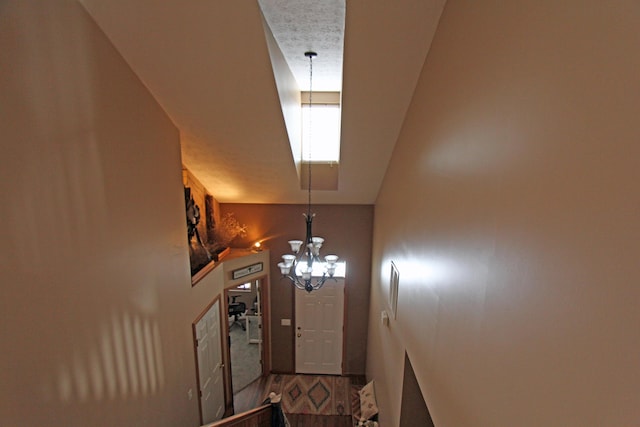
[[208, 241], [198, 253], [210, 221]]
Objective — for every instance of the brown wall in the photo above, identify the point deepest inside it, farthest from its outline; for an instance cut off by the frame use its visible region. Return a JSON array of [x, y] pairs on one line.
[[96, 299], [511, 209], [347, 231]]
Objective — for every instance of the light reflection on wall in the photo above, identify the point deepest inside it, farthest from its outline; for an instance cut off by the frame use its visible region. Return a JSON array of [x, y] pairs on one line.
[[431, 271], [126, 362]]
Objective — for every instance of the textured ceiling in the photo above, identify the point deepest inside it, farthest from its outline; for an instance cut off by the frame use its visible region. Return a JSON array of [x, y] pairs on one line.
[[208, 64], [303, 25]]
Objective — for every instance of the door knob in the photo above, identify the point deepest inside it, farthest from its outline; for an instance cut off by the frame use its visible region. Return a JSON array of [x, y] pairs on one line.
[[299, 334]]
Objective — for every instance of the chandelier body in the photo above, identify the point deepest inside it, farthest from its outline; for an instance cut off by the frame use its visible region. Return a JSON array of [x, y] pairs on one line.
[[298, 267]]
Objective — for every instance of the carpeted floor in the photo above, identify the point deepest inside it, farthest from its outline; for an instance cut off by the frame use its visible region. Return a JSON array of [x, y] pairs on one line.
[[245, 359], [312, 394]]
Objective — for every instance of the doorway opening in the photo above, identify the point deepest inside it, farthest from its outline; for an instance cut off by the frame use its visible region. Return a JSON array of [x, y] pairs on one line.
[[246, 314], [414, 410]]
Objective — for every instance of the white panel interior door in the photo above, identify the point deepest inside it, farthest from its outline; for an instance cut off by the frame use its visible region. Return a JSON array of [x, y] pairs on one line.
[[210, 365], [319, 329]]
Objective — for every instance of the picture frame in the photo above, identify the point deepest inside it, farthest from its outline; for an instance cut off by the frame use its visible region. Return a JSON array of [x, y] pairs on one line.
[[394, 283]]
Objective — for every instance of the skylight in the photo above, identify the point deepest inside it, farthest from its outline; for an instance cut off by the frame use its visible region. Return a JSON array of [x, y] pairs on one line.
[[323, 144], [321, 127]]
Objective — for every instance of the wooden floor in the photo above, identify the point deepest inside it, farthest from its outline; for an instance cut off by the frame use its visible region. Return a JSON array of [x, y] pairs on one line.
[[250, 396], [299, 420]]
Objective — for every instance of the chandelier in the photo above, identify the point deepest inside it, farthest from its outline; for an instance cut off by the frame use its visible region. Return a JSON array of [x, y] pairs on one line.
[[299, 266]]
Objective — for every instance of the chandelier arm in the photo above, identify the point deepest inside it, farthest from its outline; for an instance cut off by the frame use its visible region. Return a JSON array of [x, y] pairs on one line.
[[307, 284], [295, 281], [321, 281]]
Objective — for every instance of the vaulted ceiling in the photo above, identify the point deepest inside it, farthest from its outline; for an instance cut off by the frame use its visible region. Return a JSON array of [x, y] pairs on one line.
[[208, 64]]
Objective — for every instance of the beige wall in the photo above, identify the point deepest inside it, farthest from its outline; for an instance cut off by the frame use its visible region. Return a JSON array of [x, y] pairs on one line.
[[511, 208], [347, 230], [96, 300]]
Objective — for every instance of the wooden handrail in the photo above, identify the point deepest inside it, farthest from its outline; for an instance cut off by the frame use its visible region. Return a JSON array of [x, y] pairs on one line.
[[248, 418]]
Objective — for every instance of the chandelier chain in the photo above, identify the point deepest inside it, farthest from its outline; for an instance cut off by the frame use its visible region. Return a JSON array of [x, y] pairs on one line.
[[310, 55]]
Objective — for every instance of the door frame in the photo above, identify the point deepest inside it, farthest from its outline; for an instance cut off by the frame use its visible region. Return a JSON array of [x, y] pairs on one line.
[[222, 353]]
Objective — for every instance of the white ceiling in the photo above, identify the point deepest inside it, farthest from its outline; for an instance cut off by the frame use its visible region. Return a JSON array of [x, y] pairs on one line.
[[208, 65], [302, 25]]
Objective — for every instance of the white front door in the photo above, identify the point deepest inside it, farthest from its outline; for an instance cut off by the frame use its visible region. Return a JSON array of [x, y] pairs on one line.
[[210, 365], [319, 324]]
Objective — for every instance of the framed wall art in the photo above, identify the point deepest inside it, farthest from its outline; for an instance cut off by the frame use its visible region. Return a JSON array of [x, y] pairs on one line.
[[246, 271], [394, 282]]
